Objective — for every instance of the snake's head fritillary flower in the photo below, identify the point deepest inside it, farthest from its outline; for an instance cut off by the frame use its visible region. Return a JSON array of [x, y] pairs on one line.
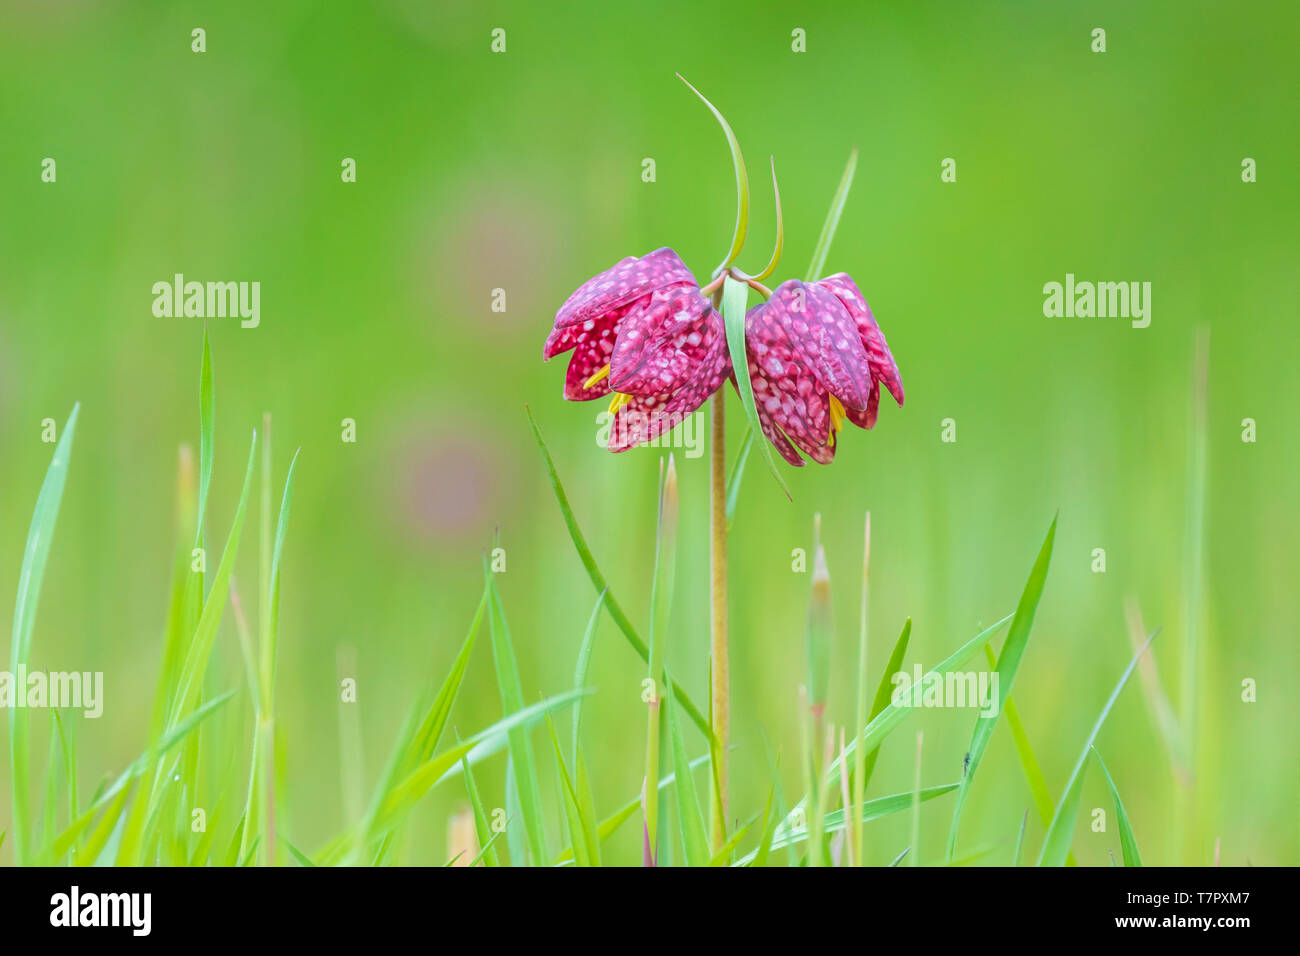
[[643, 333], [816, 358]]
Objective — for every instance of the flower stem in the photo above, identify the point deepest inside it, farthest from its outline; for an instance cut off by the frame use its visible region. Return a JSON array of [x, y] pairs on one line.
[[719, 671]]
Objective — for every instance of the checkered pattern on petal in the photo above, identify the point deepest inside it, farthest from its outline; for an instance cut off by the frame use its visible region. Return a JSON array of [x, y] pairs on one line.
[[791, 399], [883, 367], [629, 280], [662, 344], [824, 333]]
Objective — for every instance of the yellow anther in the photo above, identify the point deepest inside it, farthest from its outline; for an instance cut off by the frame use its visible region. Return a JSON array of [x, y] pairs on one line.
[[598, 377], [837, 418], [618, 401]]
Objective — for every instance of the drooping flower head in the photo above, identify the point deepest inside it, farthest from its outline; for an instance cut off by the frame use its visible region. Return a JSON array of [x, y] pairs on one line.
[[642, 332], [816, 358], [645, 332]]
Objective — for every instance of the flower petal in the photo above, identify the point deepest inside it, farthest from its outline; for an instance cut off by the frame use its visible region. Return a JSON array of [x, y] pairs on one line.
[[866, 418], [661, 344], [643, 418], [591, 351], [621, 284], [788, 393], [883, 366], [822, 329]]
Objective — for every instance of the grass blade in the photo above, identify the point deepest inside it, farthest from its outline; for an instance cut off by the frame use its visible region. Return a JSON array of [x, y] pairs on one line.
[[36, 554], [207, 427], [888, 719], [1018, 857], [769, 826], [1013, 651], [823, 248], [735, 296], [582, 830], [1038, 790], [512, 701], [149, 758], [615, 610], [742, 179], [582, 666], [1061, 830], [737, 475], [1127, 839], [610, 824], [196, 660], [690, 818], [787, 835], [884, 691], [474, 749]]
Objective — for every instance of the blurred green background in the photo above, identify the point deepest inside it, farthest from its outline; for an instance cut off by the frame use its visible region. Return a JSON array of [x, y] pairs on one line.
[[522, 171]]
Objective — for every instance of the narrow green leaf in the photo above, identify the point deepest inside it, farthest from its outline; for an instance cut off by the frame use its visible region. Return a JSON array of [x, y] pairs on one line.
[[587, 808], [742, 179], [777, 248], [1038, 790], [884, 690], [724, 854], [207, 427], [516, 840], [97, 843], [1061, 830], [769, 827], [474, 749], [690, 818], [888, 719], [582, 666], [788, 835], [431, 728], [735, 296], [484, 853], [302, 858], [736, 475], [176, 735], [1127, 839], [1013, 651], [36, 553], [271, 643], [665, 566], [823, 248], [611, 823], [512, 701], [973, 857], [196, 660], [483, 829], [69, 765], [1018, 857], [578, 830], [612, 606]]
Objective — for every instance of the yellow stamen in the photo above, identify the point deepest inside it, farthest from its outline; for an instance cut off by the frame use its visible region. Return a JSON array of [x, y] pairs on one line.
[[618, 401], [837, 418], [598, 377]]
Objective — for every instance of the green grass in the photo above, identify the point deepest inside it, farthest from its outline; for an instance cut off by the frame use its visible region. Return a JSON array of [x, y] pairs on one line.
[[144, 815]]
